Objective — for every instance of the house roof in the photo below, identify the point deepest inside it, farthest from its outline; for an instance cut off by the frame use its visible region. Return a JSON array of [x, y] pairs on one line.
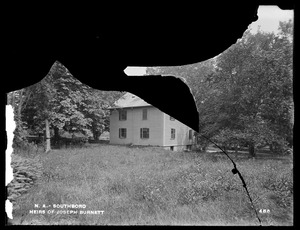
[[129, 100]]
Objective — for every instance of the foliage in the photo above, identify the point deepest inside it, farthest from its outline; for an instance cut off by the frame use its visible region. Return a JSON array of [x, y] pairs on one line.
[[14, 99], [244, 95], [255, 78], [193, 75], [20, 134], [69, 106]]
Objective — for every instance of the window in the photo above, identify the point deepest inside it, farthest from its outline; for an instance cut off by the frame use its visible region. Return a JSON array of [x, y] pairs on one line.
[[122, 133], [144, 114], [122, 115], [172, 118], [190, 134], [144, 133], [173, 133]]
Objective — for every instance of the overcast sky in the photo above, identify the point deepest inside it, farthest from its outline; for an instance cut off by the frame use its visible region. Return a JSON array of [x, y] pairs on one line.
[[268, 20], [269, 17]]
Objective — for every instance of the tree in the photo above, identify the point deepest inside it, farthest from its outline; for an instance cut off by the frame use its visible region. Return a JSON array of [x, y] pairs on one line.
[[97, 104], [244, 95], [21, 100], [57, 102], [63, 105], [16, 100], [253, 91]]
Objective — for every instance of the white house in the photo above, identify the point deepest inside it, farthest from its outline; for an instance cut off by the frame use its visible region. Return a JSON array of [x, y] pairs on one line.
[[134, 121]]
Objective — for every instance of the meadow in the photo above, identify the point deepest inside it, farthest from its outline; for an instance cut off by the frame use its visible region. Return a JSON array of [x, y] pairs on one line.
[[152, 186]]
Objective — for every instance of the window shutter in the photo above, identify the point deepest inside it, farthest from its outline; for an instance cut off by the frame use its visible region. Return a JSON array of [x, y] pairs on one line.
[[119, 133], [144, 114], [141, 133]]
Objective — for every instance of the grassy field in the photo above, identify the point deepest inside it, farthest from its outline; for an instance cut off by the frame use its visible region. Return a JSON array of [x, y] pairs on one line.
[[151, 186]]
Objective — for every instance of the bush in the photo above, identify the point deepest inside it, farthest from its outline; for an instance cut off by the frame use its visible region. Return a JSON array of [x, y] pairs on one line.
[[29, 150], [20, 134], [69, 142]]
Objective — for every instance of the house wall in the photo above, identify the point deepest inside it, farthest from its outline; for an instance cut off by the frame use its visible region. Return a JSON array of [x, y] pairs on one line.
[[133, 124], [181, 134]]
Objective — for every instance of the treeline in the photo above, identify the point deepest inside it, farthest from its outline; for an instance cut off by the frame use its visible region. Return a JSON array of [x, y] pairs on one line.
[[60, 106], [244, 96]]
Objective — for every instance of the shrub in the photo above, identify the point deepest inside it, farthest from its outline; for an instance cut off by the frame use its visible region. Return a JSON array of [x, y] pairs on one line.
[[29, 150]]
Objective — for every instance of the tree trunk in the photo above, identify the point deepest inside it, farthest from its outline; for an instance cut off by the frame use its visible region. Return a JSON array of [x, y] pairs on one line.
[[96, 135], [271, 148], [13, 99], [236, 148], [48, 144], [224, 147], [20, 103], [252, 152], [56, 138]]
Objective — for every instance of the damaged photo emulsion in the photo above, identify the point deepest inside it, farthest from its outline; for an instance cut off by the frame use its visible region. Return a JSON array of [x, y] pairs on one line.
[[82, 156]]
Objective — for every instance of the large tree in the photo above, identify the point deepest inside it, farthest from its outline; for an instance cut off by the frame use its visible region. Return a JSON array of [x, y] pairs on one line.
[[253, 91], [31, 107], [244, 95], [62, 104]]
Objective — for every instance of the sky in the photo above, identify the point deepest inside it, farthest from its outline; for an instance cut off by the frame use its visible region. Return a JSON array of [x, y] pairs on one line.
[[268, 20], [135, 71], [269, 17]]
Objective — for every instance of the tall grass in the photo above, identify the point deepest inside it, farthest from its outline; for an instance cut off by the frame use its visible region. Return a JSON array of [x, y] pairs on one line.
[[151, 186]]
